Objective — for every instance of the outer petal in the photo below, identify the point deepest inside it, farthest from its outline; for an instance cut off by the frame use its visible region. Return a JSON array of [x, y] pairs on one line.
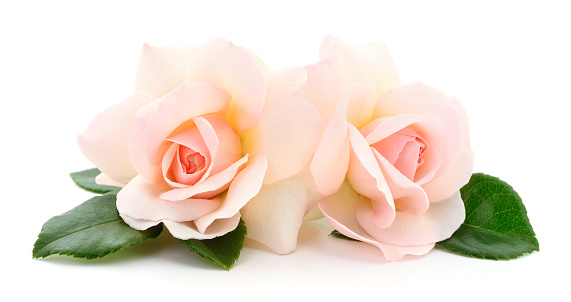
[[408, 229], [331, 159], [275, 215], [106, 139], [140, 200], [342, 66], [339, 210], [244, 187], [459, 173], [226, 66], [289, 129], [367, 178], [162, 69], [187, 230]]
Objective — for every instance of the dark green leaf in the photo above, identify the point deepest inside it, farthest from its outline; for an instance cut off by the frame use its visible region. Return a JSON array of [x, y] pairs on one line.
[[223, 250], [336, 234], [496, 224], [86, 180], [91, 230]]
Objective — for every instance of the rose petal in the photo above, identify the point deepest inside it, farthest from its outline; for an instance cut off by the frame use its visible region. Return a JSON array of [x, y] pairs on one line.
[[243, 188], [173, 173], [140, 200], [222, 142], [162, 69], [187, 230], [138, 224], [208, 188], [366, 178], [418, 98], [460, 171], [408, 196], [339, 210], [275, 215], [342, 66], [408, 229], [289, 129], [224, 65], [181, 105], [105, 140], [105, 180], [331, 159]]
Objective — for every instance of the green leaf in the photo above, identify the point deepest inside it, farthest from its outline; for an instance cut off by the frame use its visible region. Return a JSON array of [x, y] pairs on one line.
[[336, 234], [86, 180], [496, 225], [223, 250], [91, 230]]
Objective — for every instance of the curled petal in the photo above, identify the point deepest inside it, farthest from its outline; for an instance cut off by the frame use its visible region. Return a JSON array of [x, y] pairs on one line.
[[339, 210], [105, 141], [408, 196], [418, 98], [244, 187], [188, 230], [140, 200], [331, 159], [210, 187], [438, 223], [181, 105], [367, 178], [460, 171]]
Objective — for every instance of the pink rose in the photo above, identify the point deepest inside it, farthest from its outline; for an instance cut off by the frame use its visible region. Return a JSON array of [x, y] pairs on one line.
[[390, 163], [207, 130]]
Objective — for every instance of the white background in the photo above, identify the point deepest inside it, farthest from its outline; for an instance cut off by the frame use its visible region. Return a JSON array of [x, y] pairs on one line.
[[63, 62]]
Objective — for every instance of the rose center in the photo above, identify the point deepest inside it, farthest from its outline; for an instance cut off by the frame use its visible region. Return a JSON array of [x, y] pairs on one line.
[[193, 162]]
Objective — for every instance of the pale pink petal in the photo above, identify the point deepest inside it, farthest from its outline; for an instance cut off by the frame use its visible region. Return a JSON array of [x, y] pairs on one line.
[[342, 66], [460, 172], [187, 230], [188, 166], [162, 69], [190, 138], [339, 210], [140, 200], [331, 159], [138, 224], [210, 187], [105, 140], [379, 134], [290, 127], [244, 187], [367, 178], [418, 98], [407, 195], [430, 130], [138, 145], [222, 142], [408, 229], [181, 105], [105, 180], [383, 127], [392, 147], [275, 215], [224, 65]]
